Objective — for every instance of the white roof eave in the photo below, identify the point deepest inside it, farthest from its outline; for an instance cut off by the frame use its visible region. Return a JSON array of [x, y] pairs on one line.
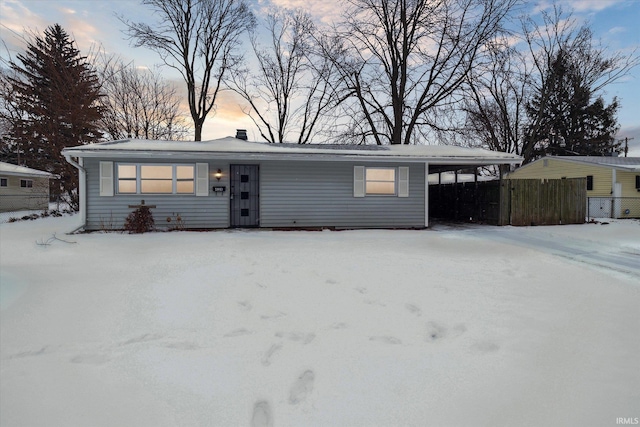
[[222, 155]]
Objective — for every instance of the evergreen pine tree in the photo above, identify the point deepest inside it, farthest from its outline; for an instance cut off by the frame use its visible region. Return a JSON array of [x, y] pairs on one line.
[[58, 90], [567, 120]]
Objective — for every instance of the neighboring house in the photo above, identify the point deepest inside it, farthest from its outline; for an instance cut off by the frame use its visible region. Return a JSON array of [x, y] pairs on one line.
[[613, 183], [23, 188], [231, 182]]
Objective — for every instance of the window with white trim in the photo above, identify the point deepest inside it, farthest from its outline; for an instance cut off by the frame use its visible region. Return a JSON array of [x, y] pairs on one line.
[[26, 183], [4, 182], [155, 179], [380, 181], [127, 179]]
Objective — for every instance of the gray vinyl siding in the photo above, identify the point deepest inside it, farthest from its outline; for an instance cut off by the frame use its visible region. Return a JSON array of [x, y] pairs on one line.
[[110, 212], [292, 194], [317, 194]]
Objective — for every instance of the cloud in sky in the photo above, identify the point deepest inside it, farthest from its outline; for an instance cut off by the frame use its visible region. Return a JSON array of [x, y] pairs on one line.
[[95, 22], [618, 30], [592, 5], [326, 11], [16, 19]]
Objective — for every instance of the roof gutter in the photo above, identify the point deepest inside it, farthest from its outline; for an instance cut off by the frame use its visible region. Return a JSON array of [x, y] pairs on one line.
[[224, 155], [82, 189]]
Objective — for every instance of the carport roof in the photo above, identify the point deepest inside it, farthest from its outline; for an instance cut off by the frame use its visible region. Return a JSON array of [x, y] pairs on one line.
[[233, 148]]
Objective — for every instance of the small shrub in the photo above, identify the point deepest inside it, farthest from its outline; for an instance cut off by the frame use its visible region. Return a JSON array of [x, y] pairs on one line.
[[139, 221], [178, 222]]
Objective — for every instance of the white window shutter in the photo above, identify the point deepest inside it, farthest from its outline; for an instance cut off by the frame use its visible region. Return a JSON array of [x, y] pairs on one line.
[[358, 181], [106, 179], [202, 179], [403, 181]]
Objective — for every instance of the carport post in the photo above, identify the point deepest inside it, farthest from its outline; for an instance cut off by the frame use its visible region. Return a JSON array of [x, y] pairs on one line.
[[426, 194]]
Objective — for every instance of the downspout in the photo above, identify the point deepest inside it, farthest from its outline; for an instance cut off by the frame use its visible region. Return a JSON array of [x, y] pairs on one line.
[[82, 189]]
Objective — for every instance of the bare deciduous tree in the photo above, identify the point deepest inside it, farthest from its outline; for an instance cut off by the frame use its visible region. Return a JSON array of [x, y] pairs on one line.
[[139, 104], [11, 114], [199, 39], [495, 99], [403, 60], [291, 91]]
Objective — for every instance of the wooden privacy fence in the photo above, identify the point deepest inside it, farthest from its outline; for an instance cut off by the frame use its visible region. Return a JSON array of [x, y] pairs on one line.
[[512, 201], [543, 202], [466, 201]]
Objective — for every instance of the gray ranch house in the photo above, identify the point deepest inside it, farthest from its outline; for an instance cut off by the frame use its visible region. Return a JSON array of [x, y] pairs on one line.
[[232, 182]]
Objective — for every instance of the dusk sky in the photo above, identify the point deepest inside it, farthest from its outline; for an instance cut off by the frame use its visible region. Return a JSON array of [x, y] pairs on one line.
[[95, 22]]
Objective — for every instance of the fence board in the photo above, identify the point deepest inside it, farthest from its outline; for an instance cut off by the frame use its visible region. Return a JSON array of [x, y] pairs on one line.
[[512, 201], [543, 202]]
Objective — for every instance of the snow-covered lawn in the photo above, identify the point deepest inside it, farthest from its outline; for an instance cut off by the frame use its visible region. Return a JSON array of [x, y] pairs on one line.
[[441, 327]]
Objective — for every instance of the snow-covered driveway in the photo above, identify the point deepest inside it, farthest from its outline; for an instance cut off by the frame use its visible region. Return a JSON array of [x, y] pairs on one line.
[[441, 327], [608, 244]]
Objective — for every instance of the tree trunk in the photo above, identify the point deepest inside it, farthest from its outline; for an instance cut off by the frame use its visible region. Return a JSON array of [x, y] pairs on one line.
[[198, 130]]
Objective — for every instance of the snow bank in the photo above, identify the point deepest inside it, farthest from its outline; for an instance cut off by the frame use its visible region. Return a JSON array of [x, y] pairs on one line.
[[352, 328]]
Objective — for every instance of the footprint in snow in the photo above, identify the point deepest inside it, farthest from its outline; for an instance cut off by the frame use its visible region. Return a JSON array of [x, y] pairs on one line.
[[413, 309], [273, 316], [29, 353], [245, 305], [266, 358], [302, 387], [143, 338], [386, 339], [237, 333], [436, 331], [262, 416], [297, 336]]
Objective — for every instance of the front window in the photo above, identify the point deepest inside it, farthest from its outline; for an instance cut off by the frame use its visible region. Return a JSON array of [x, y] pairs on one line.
[[26, 183], [380, 181], [184, 179], [3, 182], [156, 179], [127, 179]]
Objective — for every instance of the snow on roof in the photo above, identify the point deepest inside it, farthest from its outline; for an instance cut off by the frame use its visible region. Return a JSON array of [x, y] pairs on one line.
[[233, 146], [625, 163], [11, 169]]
